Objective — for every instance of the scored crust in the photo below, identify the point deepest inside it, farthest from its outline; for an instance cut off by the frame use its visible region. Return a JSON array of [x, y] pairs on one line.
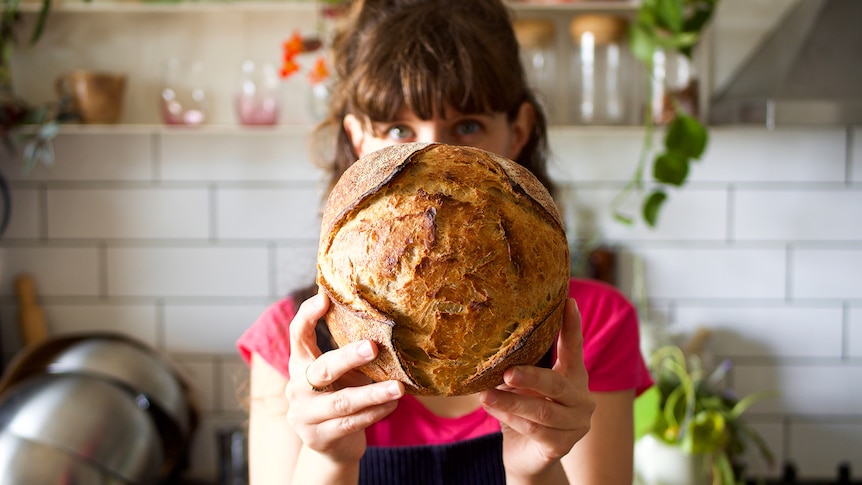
[[452, 259]]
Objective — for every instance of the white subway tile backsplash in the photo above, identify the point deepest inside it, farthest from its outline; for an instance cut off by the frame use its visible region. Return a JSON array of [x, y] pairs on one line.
[[200, 376], [689, 215], [773, 435], [136, 321], [187, 272], [854, 331], [268, 213], [798, 215], [685, 272], [747, 154], [252, 156], [57, 271], [234, 385], [24, 216], [96, 157], [594, 154], [813, 389], [826, 273], [211, 328], [128, 213], [296, 267], [767, 331], [856, 162], [817, 448]]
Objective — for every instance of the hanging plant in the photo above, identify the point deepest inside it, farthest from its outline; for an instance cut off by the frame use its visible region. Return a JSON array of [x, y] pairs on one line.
[[666, 26]]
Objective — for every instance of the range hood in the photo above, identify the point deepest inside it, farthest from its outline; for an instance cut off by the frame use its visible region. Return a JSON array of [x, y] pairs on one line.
[[808, 70]]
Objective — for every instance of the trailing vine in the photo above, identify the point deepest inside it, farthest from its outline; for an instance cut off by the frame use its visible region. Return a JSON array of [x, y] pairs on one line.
[[670, 26]]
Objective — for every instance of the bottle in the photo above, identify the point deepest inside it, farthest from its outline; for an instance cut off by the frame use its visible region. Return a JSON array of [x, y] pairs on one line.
[[538, 56], [600, 63]]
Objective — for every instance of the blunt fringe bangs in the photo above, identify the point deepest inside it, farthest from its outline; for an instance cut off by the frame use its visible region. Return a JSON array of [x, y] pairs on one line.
[[426, 62]]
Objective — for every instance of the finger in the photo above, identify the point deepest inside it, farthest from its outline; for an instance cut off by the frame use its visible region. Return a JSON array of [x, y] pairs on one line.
[[351, 401], [570, 344], [533, 409], [303, 340], [332, 365], [326, 433], [554, 441]]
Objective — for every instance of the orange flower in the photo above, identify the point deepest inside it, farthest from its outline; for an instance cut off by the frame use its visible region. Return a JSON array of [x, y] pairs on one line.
[[288, 68], [319, 72], [293, 45]]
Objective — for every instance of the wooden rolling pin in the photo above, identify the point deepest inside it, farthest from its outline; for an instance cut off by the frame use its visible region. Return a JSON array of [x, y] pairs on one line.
[[30, 316]]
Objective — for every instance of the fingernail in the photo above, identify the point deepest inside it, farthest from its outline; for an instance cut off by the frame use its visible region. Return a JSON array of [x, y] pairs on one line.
[[317, 301], [365, 349], [393, 389], [488, 398], [511, 376]]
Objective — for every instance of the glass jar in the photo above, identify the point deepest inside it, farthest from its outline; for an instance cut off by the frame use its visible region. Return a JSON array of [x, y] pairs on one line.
[[258, 100], [183, 95], [600, 64], [536, 42], [675, 86]]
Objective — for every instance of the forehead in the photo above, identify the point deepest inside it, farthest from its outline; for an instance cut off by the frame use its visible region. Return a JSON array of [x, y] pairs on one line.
[[405, 113]]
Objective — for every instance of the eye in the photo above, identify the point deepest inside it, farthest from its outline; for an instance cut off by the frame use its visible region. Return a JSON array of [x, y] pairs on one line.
[[468, 127], [399, 133]]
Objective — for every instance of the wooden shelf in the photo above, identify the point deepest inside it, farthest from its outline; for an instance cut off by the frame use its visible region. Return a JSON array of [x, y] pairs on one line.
[[192, 6]]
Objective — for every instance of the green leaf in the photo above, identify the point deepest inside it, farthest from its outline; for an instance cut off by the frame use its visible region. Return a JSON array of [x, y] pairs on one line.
[[670, 168], [623, 218], [669, 14], [40, 21], [652, 206], [686, 137], [642, 43]]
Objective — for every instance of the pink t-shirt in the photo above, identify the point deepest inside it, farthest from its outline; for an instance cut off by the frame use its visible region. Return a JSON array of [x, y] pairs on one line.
[[611, 355]]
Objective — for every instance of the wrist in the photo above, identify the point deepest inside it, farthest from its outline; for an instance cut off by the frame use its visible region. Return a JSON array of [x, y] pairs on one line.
[[313, 467], [552, 475]]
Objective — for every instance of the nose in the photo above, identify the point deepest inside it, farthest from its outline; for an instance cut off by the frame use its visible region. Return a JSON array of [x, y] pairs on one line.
[[434, 133]]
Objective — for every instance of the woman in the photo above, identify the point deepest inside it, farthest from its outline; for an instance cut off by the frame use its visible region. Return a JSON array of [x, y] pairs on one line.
[[446, 71]]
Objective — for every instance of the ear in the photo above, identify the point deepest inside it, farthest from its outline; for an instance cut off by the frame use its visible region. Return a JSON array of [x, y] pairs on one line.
[[522, 128], [353, 126]]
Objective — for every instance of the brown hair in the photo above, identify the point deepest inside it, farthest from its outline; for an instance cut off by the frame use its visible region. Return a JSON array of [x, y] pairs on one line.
[[425, 54]]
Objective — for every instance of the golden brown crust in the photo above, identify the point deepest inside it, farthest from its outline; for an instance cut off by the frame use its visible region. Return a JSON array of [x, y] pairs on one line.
[[452, 259]]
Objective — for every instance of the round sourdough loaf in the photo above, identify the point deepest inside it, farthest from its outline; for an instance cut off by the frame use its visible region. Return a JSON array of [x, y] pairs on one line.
[[452, 259]]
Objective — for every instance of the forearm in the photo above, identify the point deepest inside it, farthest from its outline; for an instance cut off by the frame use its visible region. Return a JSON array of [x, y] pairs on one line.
[[313, 468]]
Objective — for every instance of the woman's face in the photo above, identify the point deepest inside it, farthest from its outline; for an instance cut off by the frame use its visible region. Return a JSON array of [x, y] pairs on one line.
[[489, 131]]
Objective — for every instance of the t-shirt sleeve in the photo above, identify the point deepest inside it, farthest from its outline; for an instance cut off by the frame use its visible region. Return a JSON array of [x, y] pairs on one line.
[[612, 352], [269, 336]]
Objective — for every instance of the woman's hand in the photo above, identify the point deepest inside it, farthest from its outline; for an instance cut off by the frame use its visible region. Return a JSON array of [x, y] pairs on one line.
[[330, 401], [544, 412]]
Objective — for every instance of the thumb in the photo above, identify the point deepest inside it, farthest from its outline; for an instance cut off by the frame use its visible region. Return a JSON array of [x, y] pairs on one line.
[[570, 345]]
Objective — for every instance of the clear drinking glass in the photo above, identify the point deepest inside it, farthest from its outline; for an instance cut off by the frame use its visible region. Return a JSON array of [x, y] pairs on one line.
[[259, 99], [183, 94]]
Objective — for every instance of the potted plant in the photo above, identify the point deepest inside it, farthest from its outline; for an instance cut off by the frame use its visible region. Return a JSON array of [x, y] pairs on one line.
[[690, 416], [22, 125]]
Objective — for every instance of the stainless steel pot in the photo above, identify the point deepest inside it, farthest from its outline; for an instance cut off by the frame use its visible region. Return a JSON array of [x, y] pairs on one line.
[[132, 365], [23, 461], [89, 418], [127, 363]]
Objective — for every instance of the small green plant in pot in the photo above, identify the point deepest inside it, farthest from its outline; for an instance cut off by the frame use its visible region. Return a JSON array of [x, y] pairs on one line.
[[691, 410]]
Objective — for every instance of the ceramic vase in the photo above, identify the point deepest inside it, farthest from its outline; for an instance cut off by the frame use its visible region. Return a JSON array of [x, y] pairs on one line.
[[658, 463]]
